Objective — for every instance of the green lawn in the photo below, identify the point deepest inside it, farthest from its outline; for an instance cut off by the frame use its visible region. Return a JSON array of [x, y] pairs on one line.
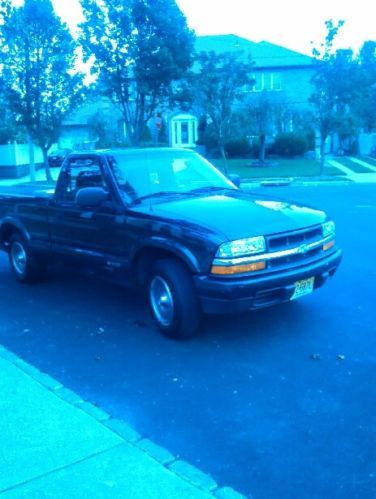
[[368, 159], [355, 167], [285, 168]]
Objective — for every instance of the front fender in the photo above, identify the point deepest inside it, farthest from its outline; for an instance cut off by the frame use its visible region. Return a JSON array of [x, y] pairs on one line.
[[178, 249]]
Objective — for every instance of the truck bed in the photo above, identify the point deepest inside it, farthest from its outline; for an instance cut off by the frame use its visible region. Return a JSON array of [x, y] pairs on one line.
[[39, 190]]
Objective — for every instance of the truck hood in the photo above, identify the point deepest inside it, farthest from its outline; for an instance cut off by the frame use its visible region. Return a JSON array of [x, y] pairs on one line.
[[236, 214]]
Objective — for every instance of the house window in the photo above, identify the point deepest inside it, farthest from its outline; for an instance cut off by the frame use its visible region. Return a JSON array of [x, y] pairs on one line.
[[276, 81], [265, 81], [259, 82], [269, 80]]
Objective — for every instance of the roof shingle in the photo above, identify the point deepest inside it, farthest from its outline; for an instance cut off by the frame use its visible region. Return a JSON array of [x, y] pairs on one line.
[[264, 54]]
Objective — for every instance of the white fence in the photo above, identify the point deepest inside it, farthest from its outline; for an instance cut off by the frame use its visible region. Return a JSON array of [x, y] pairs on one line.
[[14, 160], [18, 154], [367, 143]]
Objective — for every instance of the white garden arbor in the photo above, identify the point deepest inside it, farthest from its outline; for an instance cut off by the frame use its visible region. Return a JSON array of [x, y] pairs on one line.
[[183, 130]]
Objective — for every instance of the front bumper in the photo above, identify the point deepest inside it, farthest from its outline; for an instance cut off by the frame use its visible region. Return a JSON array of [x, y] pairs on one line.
[[231, 295]]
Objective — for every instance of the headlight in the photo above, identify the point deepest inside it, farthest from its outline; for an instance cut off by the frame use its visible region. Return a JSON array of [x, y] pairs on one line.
[[328, 229], [242, 247]]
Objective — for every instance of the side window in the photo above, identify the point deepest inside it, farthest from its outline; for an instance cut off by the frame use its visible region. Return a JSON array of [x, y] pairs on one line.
[[80, 173]]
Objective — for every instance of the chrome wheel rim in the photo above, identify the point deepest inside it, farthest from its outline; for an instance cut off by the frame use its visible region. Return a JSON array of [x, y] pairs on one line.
[[18, 255], [161, 301]]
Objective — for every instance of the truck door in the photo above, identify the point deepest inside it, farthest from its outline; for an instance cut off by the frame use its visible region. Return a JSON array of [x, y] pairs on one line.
[[88, 235]]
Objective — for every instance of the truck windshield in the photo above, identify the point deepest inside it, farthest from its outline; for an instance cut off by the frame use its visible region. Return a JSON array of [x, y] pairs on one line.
[[152, 175]]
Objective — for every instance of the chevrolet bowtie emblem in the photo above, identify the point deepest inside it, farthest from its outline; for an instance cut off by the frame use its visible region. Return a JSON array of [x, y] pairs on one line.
[[302, 250]]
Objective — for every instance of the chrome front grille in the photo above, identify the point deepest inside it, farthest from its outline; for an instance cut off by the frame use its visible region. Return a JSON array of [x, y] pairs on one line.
[[308, 243], [288, 240]]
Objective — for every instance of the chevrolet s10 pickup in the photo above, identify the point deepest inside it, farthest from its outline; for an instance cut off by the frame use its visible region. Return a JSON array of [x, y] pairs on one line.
[[168, 221]]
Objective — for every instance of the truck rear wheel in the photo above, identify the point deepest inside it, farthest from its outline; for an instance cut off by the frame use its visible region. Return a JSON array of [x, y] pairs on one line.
[[172, 299], [26, 267]]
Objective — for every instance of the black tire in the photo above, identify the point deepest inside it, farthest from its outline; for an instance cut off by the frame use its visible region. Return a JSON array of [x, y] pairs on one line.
[[172, 282], [27, 267]]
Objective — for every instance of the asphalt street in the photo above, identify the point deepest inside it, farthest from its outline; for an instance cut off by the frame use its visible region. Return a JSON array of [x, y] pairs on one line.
[[278, 403]]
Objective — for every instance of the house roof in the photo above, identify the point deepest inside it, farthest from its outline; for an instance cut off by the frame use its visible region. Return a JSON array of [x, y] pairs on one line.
[[82, 115], [264, 54]]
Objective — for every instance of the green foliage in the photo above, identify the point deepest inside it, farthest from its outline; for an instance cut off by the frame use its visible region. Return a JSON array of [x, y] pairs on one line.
[[238, 148], [218, 86], [104, 130], [364, 106], [336, 88], [207, 137], [9, 131], [146, 137], [262, 111], [140, 47], [339, 88], [38, 60], [290, 145]]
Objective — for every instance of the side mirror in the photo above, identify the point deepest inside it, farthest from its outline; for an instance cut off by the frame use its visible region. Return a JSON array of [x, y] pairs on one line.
[[235, 179], [91, 196]]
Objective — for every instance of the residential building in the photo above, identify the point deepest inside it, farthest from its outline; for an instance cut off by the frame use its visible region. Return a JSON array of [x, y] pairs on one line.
[[82, 129], [275, 69], [285, 73]]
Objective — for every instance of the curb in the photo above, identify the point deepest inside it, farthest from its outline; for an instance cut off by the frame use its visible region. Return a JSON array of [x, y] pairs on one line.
[[180, 468]]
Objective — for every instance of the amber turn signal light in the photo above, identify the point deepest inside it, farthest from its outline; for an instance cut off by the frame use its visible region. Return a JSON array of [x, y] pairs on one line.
[[328, 245], [237, 269]]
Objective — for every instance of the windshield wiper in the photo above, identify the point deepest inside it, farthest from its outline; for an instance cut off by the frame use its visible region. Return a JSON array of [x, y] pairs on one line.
[[211, 188], [161, 193]]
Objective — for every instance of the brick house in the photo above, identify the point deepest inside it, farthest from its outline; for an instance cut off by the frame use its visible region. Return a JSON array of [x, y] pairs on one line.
[[283, 72], [276, 69]]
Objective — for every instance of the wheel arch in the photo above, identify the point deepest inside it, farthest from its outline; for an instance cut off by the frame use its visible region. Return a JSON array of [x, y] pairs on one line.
[[8, 227], [154, 250]]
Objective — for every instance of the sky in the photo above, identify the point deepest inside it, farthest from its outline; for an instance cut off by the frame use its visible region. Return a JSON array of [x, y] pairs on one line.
[[290, 23]]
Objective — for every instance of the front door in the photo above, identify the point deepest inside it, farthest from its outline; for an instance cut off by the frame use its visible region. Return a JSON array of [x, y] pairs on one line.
[[88, 235]]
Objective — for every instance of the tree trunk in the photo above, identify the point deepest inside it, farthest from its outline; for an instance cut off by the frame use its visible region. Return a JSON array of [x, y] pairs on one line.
[[224, 158], [31, 158], [322, 155], [136, 136], [47, 166], [262, 149]]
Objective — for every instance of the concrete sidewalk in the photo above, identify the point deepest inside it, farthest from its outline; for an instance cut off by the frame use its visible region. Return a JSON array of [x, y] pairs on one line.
[[55, 445]]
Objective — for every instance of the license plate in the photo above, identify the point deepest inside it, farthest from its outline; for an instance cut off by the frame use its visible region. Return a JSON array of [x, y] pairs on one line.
[[303, 287]]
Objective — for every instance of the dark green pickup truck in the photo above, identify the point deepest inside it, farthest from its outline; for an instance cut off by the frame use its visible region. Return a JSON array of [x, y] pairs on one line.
[[168, 221]]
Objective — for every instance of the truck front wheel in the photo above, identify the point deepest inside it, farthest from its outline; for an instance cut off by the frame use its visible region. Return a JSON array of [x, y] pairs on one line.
[[172, 299], [26, 267]]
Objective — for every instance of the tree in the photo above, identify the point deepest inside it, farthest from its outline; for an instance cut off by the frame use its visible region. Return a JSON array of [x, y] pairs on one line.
[[366, 104], [140, 47], [218, 85], [9, 131], [263, 110], [335, 89], [104, 130], [38, 56]]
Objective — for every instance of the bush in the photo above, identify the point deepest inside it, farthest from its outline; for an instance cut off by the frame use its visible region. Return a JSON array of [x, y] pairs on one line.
[[238, 148], [255, 148], [207, 139], [289, 145]]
